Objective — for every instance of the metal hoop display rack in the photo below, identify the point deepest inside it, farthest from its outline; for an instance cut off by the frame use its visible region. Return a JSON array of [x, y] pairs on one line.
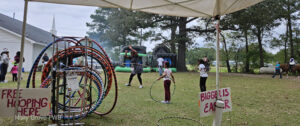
[[60, 65]]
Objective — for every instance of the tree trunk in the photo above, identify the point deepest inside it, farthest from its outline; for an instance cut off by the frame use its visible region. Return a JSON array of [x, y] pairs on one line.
[[247, 65], [236, 62], [297, 43], [226, 53], [124, 40], [182, 44], [173, 36], [285, 44], [290, 31], [261, 51]]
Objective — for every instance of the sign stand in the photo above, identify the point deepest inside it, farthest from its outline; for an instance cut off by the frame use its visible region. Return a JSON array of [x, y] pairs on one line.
[[219, 110], [218, 116], [210, 106], [21, 61]]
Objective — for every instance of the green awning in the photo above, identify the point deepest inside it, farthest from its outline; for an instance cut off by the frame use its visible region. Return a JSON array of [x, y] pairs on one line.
[[128, 69], [140, 54]]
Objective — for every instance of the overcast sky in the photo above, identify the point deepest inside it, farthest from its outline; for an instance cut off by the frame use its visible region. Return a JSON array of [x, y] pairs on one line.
[[70, 20]]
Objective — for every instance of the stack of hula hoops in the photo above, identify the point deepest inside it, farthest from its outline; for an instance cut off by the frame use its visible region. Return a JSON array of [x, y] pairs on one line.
[[94, 77]]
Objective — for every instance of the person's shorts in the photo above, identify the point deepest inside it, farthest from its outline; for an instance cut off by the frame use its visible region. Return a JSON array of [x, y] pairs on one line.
[[137, 69]]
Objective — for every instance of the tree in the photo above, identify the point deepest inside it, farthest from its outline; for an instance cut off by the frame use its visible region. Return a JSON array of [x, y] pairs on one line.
[[183, 41], [289, 7], [239, 21], [119, 26], [226, 53], [182, 44], [280, 56], [277, 42], [288, 10], [297, 40], [264, 17], [165, 23], [194, 54]]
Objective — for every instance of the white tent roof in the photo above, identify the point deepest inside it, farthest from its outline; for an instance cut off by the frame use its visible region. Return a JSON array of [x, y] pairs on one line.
[[183, 8]]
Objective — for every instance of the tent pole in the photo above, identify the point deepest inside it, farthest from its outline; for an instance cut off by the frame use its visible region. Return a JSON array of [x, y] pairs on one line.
[[218, 57], [219, 103], [21, 61]]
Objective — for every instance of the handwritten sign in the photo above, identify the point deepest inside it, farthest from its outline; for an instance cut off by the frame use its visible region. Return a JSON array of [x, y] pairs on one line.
[[207, 101], [72, 82], [32, 102]]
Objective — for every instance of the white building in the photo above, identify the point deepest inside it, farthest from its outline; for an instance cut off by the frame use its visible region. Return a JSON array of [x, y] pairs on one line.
[[36, 40]]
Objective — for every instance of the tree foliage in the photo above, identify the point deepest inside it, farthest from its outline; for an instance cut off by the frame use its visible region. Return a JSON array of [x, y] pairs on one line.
[[245, 34], [198, 53], [120, 27]]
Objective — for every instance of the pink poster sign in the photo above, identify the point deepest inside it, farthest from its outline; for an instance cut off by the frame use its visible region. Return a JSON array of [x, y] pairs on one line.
[[207, 101]]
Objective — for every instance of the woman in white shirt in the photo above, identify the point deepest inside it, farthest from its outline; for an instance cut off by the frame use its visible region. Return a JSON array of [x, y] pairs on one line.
[[4, 65], [160, 65], [292, 63], [203, 75], [167, 75]]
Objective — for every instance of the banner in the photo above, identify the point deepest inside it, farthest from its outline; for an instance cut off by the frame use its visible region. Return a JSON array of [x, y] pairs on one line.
[[32, 102], [207, 101]]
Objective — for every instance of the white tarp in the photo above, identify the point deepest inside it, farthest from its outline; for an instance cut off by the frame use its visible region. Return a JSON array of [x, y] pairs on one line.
[[183, 8]]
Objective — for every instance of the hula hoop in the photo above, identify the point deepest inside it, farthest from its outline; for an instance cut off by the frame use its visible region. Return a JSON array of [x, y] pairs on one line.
[[154, 82], [98, 82], [95, 52], [178, 117]]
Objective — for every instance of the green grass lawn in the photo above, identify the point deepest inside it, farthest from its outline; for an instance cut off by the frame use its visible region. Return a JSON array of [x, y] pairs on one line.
[[257, 101]]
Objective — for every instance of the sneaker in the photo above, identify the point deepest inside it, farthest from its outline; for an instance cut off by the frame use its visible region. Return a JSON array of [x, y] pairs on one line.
[[141, 86], [168, 102], [127, 84], [5, 81], [165, 102]]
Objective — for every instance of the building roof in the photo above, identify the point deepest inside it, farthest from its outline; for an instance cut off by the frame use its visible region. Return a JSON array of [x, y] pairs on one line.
[[161, 49], [36, 34]]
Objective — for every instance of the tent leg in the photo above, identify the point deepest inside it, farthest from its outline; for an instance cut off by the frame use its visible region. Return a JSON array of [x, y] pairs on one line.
[[218, 58], [219, 103], [218, 114], [21, 61]]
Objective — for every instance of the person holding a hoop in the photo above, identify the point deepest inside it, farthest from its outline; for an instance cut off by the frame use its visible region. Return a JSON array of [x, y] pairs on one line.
[[137, 68], [167, 82]]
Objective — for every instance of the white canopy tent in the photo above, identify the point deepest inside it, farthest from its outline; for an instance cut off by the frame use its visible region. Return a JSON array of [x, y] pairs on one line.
[[182, 8]]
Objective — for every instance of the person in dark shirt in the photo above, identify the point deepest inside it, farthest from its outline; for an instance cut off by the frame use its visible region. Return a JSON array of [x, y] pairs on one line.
[[137, 68], [206, 63], [17, 58], [45, 59]]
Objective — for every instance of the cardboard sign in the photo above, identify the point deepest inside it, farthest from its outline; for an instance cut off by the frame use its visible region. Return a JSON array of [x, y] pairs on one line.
[[207, 101], [32, 102], [72, 82]]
